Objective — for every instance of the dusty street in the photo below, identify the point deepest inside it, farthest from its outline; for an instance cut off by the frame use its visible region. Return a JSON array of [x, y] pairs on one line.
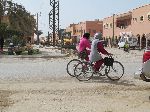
[[35, 85]]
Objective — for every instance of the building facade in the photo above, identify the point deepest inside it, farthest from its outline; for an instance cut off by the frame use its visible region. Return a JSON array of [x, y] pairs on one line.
[[83, 27], [136, 21]]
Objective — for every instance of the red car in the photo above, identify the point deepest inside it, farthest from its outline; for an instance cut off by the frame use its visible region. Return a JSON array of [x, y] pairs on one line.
[[145, 74], [146, 55]]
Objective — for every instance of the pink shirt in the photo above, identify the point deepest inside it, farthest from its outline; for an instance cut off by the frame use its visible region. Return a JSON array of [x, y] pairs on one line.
[[84, 43]]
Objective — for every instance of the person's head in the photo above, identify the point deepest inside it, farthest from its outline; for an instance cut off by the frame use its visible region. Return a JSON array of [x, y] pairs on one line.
[[98, 36], [86, 35]]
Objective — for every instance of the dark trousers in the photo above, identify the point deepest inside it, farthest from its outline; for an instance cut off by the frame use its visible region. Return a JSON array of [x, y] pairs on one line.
[[98, 64]]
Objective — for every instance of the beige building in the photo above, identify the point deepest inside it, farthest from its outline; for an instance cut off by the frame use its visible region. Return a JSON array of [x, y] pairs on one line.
[[88, 26], [136, 21]]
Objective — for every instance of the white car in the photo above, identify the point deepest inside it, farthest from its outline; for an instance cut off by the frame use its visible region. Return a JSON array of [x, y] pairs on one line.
[[132, 41]]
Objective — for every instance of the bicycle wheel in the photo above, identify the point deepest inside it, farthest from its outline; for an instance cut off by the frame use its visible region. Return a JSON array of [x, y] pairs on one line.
[[83, 71], [116, 71], [71, 66]]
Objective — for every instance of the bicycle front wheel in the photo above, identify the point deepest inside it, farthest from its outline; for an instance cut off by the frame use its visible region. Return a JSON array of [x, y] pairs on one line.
[[115, 71], [71, 66], [83, 71]]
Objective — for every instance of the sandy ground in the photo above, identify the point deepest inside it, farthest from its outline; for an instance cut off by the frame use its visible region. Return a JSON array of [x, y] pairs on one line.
[[42, 85]]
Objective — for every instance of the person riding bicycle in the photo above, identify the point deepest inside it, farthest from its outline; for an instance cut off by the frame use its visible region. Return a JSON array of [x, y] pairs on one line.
[[96, 50], [84, 46]]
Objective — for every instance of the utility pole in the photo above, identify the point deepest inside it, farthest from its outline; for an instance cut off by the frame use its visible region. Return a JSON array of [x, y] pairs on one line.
[[54, 20], [113, 26], [37, 29]]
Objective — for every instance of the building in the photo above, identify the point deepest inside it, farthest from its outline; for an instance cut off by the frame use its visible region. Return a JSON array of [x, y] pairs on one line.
[[136, 21], [88, 26]]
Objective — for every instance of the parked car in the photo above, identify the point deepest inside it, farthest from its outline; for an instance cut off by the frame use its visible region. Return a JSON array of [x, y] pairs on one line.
[[132, 41]]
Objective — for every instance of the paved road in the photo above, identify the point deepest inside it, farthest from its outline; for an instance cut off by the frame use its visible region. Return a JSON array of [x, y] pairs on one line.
[[32, 67], [17, 67]]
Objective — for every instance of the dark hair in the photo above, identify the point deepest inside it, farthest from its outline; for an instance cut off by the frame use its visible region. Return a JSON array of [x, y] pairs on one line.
[[86, 35]]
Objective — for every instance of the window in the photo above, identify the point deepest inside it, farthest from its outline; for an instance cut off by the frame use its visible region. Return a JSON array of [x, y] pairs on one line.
[[142, 18], [135, 19], [107, 25], [104, 26]]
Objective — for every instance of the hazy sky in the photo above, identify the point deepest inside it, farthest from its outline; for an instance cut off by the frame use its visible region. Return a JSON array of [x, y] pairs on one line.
[[74, 11]]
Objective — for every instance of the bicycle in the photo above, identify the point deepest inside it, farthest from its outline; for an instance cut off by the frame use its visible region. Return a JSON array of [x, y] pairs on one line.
[[72, 63], [114, 70], [71, 66]]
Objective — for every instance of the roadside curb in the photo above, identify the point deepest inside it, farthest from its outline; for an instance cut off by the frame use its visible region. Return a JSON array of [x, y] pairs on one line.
[[34, 56]]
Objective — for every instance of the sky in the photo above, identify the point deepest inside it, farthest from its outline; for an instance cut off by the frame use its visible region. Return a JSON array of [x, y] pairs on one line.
[[75, 11]]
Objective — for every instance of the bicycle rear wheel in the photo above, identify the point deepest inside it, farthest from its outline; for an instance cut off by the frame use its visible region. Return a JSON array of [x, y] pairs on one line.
[[116, 71], [71, 66], [83, 71]]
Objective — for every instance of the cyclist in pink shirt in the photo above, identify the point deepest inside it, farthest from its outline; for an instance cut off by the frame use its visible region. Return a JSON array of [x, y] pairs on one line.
[[85, 44]]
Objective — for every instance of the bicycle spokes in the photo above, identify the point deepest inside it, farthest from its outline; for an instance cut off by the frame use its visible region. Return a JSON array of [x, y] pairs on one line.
[[116, 71]]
